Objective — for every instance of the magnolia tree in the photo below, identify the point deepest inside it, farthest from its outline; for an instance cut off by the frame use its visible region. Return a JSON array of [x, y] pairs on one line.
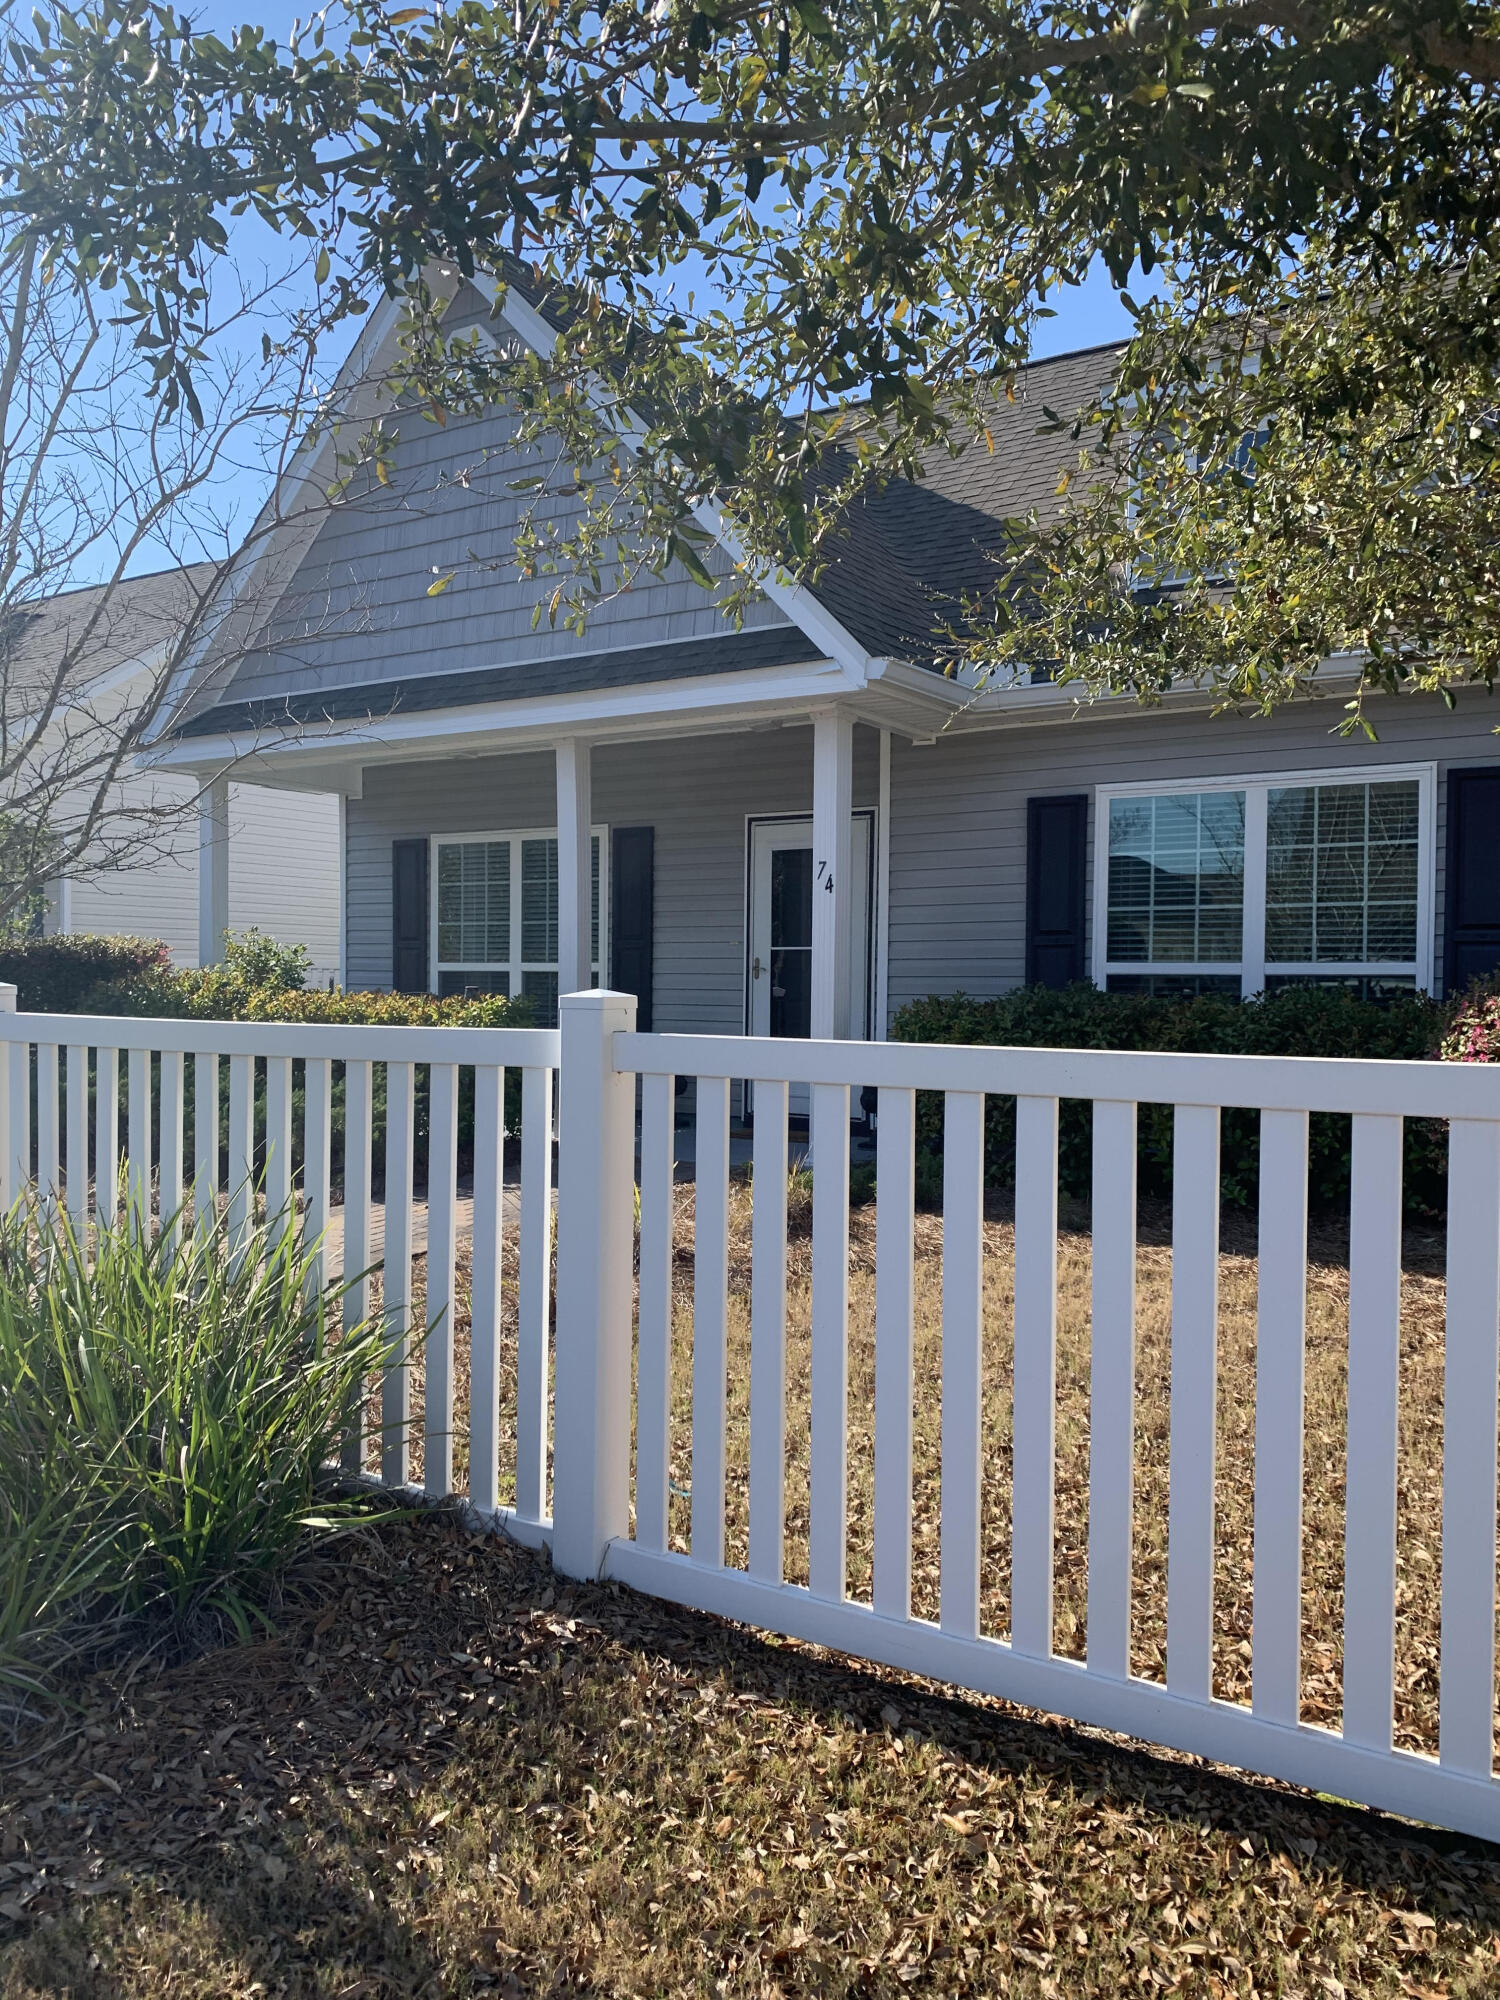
[[805, 244]]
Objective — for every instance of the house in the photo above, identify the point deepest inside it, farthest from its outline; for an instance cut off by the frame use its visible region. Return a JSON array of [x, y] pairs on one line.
[[795, 826], [142, 879]]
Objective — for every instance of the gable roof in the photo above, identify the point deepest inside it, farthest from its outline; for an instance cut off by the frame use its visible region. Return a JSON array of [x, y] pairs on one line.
[[111, 626], [897, 569]]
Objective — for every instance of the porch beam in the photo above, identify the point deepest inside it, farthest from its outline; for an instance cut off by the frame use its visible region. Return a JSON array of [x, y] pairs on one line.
[[213, 870], [575, 889], [833, 902]]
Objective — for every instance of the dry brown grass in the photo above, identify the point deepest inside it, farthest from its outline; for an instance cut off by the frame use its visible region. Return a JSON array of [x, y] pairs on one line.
[[449, 1776], [1419, 1471]]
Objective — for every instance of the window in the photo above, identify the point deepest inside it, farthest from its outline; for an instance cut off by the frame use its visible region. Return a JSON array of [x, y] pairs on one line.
[[1253, 884], [495, 927]]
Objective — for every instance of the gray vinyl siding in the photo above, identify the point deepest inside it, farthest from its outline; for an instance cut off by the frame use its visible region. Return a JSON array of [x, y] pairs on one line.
[[358, 609], [283, 875], [958, 809], [697, 792]]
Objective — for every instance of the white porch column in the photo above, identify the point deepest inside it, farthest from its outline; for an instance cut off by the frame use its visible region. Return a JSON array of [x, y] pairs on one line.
[[213, 870], [574, 866], [833, 903]]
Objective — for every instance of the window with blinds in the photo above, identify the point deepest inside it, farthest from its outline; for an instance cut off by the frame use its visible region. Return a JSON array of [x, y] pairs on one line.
[[496, 918], [1245, 886]]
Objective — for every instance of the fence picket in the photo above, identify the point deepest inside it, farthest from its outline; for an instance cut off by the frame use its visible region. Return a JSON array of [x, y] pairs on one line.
[[106, 1137], [484, 1288], [78, 1139], [710, 1316], [768, 1181], [1467, 1696], [895, 1301], [47, 1164], [205, 1142], [358, 1106], [395, 1390], [534, 1294], [241, 1162], [278, 1172], [442, 1200], [317, 1160], [653, 1396], [1370, 1457], [1035, 1402], [169, 1179], [138, 1140], [1280, 1363], [963, 1359], [1112, 1389], [828, 1472], [19, 1107], [1190, 1470]]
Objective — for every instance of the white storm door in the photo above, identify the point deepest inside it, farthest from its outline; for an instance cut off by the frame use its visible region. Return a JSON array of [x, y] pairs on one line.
[[780, 930]]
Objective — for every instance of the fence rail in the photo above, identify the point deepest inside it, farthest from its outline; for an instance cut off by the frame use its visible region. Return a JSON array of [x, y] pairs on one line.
[[649, 1364]]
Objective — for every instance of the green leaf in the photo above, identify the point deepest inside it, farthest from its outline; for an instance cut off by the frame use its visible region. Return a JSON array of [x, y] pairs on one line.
[[440, 584]]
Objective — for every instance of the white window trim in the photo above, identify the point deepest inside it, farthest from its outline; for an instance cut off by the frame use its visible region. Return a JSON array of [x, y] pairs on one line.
[[1251, 967], [516, 965]]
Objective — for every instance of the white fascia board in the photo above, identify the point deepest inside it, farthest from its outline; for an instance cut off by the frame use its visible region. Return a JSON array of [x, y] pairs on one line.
[[666, 707], [795, 599]]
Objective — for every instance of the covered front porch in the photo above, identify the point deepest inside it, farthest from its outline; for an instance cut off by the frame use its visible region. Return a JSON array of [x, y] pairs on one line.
[[731, 871]]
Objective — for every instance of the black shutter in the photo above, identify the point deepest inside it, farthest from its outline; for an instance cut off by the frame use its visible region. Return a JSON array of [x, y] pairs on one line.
[[1471, 901], [409, 916], [1056, 830], [631, 913]]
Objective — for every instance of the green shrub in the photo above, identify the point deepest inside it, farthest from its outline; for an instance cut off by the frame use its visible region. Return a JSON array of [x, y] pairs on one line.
[[55, 975], [259, 960], [1328, 1022], [166, 1415]]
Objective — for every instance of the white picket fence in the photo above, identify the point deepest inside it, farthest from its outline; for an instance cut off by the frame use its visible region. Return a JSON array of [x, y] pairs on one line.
[[601, 1062], [613, 1388], [61, 1112]]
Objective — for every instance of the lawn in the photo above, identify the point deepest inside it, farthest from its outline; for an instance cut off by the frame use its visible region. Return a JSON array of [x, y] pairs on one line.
[[448, 1776], [449, 1773], [1420, 1463]]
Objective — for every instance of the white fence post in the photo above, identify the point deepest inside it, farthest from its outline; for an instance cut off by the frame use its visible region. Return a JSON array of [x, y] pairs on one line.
[[595, 1222]]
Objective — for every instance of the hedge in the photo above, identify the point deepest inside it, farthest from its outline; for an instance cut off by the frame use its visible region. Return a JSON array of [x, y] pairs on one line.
[[1296, 1021], [55, 975]]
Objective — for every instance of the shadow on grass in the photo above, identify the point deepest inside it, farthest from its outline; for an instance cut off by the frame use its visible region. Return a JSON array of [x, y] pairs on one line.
[[463, 1776]]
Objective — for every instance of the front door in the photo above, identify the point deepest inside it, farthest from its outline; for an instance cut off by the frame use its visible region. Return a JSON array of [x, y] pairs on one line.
[[781, 908]]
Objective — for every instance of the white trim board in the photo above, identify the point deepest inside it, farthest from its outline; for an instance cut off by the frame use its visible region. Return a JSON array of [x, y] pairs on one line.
[[758, 695], [1251, 968]]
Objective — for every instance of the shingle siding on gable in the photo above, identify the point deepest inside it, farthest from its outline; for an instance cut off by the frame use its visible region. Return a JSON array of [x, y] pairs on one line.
[[358, 609], [958, 812]]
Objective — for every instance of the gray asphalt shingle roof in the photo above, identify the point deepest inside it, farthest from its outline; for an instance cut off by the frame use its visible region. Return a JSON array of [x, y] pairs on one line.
[[896, 572]]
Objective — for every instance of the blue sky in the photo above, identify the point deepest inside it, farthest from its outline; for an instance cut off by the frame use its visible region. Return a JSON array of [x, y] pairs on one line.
[[1084, 316]]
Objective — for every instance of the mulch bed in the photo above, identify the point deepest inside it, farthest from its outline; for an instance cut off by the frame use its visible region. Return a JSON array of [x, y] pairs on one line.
[[450, 1773]]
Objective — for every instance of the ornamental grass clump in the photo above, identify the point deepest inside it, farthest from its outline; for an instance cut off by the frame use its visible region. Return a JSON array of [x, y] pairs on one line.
[[169, 1412]]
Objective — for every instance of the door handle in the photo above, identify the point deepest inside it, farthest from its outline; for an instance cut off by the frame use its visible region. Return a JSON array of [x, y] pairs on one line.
[[755, 968]]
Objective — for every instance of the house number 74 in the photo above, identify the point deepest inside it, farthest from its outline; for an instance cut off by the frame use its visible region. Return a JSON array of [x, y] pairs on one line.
[[825, 876]]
